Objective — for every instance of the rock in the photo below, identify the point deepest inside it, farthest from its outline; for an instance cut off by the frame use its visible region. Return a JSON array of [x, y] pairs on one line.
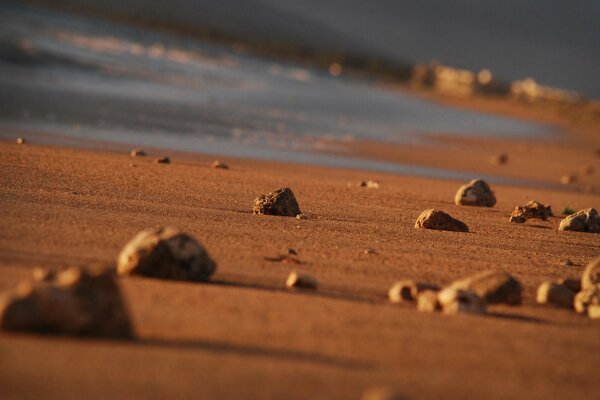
[[301, 216], [458, 301], [493, 286], [381, 393], [138, 152], [298, 280], [584, 299], [533, 209], [163, 160], [571, 284], [165, 253], [219, 165], [475, 193], [439, 220], [500, 159], [408, 290], [594, 312], [20, 140], [591, 275], [554, 293], [280, 202], [75, 301], [427, 301], [568, 179], [586, 220], [369, 184]]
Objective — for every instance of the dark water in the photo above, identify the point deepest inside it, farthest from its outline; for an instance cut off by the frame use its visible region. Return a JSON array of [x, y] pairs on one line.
[[556, 42], [90, 79]]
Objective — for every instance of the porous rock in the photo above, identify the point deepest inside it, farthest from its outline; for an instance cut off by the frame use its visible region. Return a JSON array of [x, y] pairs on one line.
[[459, 301], [408, 290], [297, 280], [532, 209], [556, 294], [74, 301], [439, 220], [591, 275], [427, 301], [165, 253], [585, 299], [475, 193], [280, 202], [586, 220], [493, 287]]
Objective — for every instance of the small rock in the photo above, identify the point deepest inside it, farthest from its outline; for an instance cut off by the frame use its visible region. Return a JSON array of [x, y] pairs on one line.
[[381, 394], [75, 301], [586, 220], [591, 275], [571, 284], [493, 286], [20, 140], [138, 152], [500, 159], [586, 298], [439, 220], [475, 193], [370, 252], [163, 160], [280, 202], [369, 184], [554, 293], [219, 165], [301, 281], [567, 263], [427, 301], [458, 301], [165, 253], [568, 179], [408, 290], [594, 312], [301, 216], [533, 209]]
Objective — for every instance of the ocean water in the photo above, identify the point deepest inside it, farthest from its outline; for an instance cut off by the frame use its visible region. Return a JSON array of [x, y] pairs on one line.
[[91, 79]]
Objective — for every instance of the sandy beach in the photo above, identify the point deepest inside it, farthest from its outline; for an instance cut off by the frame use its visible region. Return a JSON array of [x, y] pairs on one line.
[[244, 335]]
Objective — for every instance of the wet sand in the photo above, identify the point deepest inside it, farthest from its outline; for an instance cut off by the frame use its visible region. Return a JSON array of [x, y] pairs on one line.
[[244, 336]]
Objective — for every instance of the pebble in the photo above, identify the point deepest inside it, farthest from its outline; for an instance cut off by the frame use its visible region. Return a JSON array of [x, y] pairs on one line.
[[475, 193], [163, 160], [493, 287], [427, 301], [532, 209], [553, 293], [20, 140], [439, 220], [586, 220], [408, 290], [280, 202], [219, 165], [461, 301], [138, 152], [297, 280]]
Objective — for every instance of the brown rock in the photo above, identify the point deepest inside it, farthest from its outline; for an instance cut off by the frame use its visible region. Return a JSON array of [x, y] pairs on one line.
[[219, 165], [165, 253], [586, 220], [298, 280], [475, 193], [591, 275], [427, 301], [163, 160], [138, 152], [280, 202], [554, 293], [533, 209], [439, 220], [408, 290], [493, 287], [458, 301], [72, 302], [586, 298]]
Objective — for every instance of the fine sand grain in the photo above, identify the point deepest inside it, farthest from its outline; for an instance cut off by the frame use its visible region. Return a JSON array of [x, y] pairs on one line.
[[243, 335]]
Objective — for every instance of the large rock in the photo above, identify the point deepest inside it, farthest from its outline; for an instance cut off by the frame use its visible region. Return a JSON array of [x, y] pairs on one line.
[[591, 275], [439, 220], [72, 302], [165, 253], [532, 209], [408, 290], [280, 202], [585, 299], [556, 294], [493, 287], [459, 301], [475, 193], [586, 220]]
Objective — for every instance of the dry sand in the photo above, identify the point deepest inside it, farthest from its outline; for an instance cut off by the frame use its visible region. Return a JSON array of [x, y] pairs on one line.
[[244, 336]]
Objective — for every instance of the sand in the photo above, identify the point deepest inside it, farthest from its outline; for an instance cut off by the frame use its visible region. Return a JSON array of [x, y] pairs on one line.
[[244, 335]]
